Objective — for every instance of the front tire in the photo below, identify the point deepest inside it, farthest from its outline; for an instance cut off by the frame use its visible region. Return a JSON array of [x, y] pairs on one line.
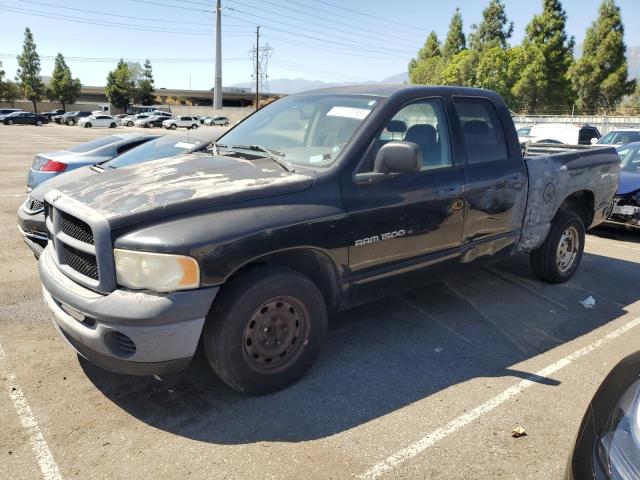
[[558, 258], [194, 127], [265, 330], [129, 124], [9, 122], [87, 125], [113, 125], [173, 126]]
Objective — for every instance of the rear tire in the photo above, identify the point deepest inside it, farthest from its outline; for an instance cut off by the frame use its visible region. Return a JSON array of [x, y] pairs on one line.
[[39, 123], [265, 329], [226, 124], [173, 126], [194, 127], [558, 258], [129, 124]]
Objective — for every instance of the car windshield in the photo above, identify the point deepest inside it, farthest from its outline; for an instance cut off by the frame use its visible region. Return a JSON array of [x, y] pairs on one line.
[[629, 159], [163, 147], [93, 144], [306, 130], [620, 138]]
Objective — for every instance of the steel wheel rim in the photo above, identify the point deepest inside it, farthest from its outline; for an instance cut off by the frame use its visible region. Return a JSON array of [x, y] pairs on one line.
[[276, 333], [568, 249]]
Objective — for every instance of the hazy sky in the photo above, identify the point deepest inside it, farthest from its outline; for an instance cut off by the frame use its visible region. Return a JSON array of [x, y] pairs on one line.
[[330, 40]]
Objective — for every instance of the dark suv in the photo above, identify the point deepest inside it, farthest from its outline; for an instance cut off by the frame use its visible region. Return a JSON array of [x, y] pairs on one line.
[[73, 118]]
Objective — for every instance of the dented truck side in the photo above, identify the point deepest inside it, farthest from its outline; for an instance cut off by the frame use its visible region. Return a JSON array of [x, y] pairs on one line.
[[355, 193]]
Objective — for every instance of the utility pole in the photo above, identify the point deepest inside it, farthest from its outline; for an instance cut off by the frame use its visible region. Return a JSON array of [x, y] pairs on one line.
[[217, 86], [257, 67]]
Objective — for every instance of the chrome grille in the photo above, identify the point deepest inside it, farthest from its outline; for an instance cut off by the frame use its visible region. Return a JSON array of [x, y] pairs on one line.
[[81, 262], [76, 228], [33, 205]]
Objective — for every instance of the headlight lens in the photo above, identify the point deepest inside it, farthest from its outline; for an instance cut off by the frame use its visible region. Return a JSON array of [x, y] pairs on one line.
[[618, 448], [159, 272]]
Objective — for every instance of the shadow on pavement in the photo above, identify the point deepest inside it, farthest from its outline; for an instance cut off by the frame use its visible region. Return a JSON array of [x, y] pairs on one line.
[[386, 355]]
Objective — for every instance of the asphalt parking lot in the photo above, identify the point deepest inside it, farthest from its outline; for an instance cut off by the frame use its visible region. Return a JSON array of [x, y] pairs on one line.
[[428, 384]]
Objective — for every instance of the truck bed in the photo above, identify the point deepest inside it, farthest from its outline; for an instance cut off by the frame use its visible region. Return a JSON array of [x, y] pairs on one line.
[[557, 172]]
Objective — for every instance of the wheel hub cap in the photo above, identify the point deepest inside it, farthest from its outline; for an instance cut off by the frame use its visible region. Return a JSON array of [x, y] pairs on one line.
[[276, 333], [568, 249]]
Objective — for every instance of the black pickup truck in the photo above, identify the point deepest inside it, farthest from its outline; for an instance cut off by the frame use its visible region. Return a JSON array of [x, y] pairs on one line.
[[315, 203]]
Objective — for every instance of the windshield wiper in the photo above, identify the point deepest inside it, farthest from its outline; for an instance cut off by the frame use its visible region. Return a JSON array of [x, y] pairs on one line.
[[272, 154]]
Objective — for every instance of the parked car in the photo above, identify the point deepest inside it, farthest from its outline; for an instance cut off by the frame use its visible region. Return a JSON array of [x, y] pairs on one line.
[[120, 116], [203, 119], [620, 137], [185, 122], [4, 112], [246, 248], [564, 133], [626, 203], [607, 446], [224, 121], [31, 221], [130, 120], [50, 164], [25, 118], [53, 113], [106, 121], [150, 121], [61, 119], [75, 117]]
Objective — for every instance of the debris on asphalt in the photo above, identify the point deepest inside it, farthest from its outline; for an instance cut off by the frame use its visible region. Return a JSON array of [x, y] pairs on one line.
[[157, 377], [518, 432], [588, 302], [438, 349]]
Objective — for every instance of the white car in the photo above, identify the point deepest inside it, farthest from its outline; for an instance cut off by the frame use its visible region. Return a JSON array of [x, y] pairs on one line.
[[98, 121], [224, 121], [185, 122], [565, 133], [130, 120], [620, 137]]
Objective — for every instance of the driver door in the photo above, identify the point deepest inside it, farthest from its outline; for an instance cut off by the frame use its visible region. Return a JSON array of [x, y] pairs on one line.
[[406, 227]]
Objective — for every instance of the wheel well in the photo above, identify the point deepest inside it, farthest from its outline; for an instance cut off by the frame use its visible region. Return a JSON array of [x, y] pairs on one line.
[[314, 264], [580, 203]]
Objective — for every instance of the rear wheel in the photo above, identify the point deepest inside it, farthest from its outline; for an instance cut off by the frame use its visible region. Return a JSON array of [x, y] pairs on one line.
[[559, 256], [39, 123], [226, 124], [129, 124], [173, 126], [265, 330], [194, 126], [9, 122]]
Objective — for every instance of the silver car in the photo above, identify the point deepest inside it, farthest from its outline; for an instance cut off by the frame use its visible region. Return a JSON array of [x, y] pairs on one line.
[[48, 165]]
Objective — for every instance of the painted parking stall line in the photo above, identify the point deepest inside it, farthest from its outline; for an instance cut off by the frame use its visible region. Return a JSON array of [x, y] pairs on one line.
[[460, 422], [47, 464]]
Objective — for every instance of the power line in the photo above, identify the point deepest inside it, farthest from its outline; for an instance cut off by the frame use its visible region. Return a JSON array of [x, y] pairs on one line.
[[12, 56], [378, 34], [297, 67], [377, 38], [384, 20], [358, 47], [126, 26], [361, 45]]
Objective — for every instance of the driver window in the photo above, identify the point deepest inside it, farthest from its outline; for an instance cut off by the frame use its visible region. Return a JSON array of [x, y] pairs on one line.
[[423, 123]]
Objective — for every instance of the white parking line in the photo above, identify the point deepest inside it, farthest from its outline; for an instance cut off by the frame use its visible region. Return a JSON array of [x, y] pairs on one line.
[[456, 424], [47, 464]]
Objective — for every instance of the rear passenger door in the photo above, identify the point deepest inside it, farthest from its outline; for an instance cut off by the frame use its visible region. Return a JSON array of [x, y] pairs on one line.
[[495, 180]]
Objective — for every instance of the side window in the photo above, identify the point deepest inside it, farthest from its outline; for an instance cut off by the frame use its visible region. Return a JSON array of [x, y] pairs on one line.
[[129, 146], [482, 132], [424, 123]]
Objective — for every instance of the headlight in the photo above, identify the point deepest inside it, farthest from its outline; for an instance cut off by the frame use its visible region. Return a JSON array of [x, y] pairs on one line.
[[159, 272], [618, 447]]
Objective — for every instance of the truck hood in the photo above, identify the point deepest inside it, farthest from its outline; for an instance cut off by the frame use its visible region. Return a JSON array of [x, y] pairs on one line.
[[629, 182], [176, 185]]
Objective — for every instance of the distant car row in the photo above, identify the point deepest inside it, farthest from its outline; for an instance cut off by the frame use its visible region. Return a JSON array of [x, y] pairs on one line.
[[85, 119], [569, 134]]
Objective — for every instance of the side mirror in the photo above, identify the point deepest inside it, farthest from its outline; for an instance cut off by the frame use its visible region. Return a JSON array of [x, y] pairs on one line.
[[393, 157], [594, 140]]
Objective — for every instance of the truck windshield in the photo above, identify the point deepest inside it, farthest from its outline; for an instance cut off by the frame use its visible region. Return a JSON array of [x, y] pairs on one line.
[[309, 130]]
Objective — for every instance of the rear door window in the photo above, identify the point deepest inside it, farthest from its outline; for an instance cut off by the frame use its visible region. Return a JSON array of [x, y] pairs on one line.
[[482, 131]]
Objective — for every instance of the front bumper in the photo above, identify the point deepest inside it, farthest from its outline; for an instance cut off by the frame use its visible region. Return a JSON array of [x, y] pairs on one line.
[[33, 230], [625, 212], [136, 333]]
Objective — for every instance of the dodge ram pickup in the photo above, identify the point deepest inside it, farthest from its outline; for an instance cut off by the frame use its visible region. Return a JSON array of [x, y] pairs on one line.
[[315, 203]]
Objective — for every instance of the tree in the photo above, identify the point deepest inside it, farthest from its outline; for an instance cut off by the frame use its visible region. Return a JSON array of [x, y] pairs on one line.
[[63, 88], [544, 81], [120, 85], [457, 71], [145, 89], [455, 41], [499, 69], [494, 29], [28, 74], [419, 68], [600, 76]]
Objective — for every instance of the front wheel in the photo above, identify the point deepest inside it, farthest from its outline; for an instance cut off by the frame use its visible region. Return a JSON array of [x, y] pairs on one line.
[[39, 123], [173, 126], [129, 124], [113, 125], [226, 124], [559, 256], [9, 122], [265, 329], [87, 125], [193, 127]]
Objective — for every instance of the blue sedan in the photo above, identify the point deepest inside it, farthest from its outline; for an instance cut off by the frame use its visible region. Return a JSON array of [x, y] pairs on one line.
[[626, 203]]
